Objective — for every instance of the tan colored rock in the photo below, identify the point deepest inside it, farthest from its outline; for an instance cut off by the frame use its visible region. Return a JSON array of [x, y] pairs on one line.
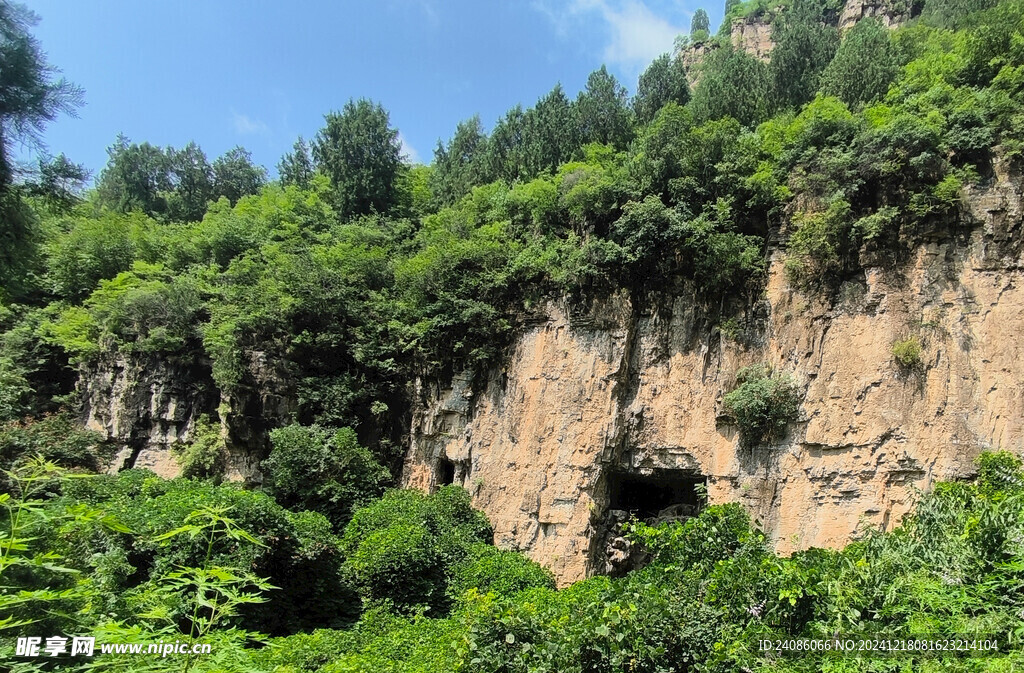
[[693, 56], [636, 386], [885, 11], [753, 35], [149, 403]]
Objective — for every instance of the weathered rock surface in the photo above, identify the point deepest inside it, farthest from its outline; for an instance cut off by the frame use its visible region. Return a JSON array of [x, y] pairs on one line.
[[149, 403], [146, 404], [635, 385], [753, 35], [891, 14]]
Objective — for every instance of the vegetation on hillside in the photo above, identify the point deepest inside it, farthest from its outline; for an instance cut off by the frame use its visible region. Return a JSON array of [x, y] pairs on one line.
[[355, 272], [412, 585]]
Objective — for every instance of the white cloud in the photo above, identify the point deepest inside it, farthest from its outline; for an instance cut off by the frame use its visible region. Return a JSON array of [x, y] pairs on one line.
[[408, 151], [248, 126], [636, 33]]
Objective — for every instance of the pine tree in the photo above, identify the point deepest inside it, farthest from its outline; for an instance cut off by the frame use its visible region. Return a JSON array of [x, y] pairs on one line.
[[295, 167]]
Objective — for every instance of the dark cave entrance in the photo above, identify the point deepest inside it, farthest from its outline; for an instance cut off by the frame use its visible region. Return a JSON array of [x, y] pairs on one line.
[[648, 496], [445, 472]]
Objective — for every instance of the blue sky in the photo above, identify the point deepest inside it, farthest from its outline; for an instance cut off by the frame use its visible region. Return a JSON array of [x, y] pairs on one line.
[[260, 73]]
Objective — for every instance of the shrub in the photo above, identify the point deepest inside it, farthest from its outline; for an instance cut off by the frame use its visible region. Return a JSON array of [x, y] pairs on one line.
[[328, 472], [1000, 474], [762, 404], [488, 569], [404, 547], [206, 455], [57, 438], [91, 250], [298, 552], [820, 244], [907, 352], [15, 390], [146, 309], [701, 541]]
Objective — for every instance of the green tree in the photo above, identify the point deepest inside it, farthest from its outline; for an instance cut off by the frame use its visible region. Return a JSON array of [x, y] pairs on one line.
[[602, 111], [360, 152], [312, 468], [192, 180], [296, 167], [460, 165], [58, 183], [31, 95], [235, 175], [663, 82], [551, 133], [804, 46], [864, 66], [136, 177], [93, 249], [506, 152], [953, 13], [404, 547], [734, 84], [700, 25]]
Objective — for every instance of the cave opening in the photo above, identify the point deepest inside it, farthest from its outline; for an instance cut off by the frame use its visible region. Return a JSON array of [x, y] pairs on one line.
[[662, 493], [445, 472]]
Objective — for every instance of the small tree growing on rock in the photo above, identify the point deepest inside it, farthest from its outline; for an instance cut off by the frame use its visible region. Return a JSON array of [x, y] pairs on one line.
[[763, 404]]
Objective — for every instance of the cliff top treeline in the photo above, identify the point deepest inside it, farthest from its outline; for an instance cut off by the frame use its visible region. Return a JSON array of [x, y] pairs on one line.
[[354, 272]]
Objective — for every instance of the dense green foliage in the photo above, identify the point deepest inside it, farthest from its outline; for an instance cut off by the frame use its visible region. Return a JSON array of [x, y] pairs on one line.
[[663, 82], [864, 66], [311, 468], [403, 549], [129, 551], [762, 404], [361, 154], [354, 273], [174, 185]]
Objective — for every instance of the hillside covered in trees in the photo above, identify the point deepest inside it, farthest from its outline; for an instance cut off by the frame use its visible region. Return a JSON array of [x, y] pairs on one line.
[[356, 274]]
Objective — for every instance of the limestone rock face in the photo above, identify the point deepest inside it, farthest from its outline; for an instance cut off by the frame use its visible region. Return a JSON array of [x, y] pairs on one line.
[[634, 386], [146, 404], [753, 35], [692, 56], [149, 403], [891, 15]]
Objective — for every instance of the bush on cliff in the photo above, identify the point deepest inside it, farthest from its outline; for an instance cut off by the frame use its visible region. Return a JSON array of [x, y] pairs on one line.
[[762, 404]]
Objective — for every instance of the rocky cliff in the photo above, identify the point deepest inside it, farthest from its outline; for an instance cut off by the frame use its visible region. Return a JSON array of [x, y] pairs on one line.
[[618, 407], [150, 404], [615, 407], [753, 33]]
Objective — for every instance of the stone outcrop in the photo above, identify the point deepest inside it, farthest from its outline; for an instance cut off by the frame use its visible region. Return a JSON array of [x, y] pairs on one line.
[[891, 14], [634, 385], [146, 404], [692, 56], [753, 35], [150, 403]]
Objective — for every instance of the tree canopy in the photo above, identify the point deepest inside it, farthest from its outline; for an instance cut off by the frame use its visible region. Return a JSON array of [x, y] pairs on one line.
[[360, 152]]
